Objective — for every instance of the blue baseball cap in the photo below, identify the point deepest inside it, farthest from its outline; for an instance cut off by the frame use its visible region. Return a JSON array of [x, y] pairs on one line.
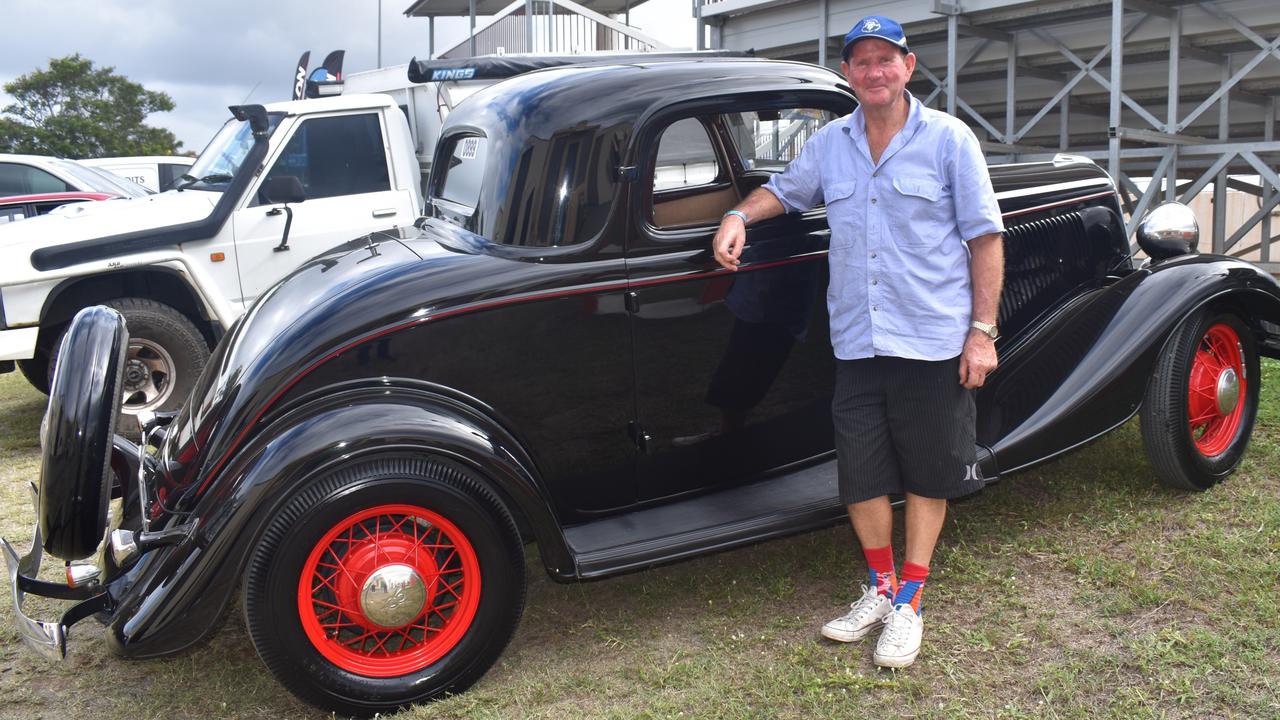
[[875, 26]]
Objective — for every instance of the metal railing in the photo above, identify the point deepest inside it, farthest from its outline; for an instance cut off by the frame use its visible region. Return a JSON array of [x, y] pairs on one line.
[[559, 26]]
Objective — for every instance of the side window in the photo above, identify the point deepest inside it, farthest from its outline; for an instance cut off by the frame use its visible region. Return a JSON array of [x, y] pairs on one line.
[[691, 186], [333, 156], [686, 157], [169, 174], [12, 214], [769, 139], [24, 180]]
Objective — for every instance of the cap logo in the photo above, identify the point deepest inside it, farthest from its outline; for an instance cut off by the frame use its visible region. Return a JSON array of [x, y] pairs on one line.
[[871, 25]]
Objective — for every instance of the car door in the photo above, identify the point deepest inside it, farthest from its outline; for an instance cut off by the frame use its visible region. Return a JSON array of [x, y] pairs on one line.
[[341, 162], [733, 369]]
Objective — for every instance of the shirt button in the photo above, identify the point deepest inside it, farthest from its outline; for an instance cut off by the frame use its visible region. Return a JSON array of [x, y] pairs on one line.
[[875, 308], [873, 201], [875, 281], [873, 255]]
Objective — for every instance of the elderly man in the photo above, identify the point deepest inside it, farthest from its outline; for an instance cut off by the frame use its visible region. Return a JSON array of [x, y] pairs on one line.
[[916, 268]]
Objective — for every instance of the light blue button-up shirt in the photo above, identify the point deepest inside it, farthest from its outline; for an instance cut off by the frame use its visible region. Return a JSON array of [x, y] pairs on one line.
[[899, 230]]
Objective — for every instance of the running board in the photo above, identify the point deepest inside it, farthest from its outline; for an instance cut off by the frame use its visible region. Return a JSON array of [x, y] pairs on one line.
[[801, 500]]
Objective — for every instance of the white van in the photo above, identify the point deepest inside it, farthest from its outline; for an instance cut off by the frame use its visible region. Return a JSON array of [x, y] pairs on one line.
[[155, 172]]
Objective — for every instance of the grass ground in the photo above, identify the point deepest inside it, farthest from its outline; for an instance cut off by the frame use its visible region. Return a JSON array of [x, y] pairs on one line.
[[1080, 589]]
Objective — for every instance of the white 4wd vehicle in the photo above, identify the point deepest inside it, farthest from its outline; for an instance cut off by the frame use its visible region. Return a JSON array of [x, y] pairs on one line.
[[183, 265]]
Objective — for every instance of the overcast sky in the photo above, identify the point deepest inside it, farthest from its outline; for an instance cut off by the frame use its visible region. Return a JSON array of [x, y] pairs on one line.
[[208, 55]]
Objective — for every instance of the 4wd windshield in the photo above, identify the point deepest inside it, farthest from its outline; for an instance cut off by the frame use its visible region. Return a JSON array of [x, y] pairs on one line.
[[217, 165]]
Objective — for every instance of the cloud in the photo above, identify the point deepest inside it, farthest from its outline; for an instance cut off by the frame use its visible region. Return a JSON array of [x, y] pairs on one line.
[[208, 55]]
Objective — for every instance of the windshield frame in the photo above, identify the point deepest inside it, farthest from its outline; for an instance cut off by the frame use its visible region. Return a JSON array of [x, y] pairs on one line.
[[224, 154]]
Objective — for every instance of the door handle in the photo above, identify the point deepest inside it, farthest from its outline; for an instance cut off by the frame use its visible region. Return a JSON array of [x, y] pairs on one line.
[[385, 212]]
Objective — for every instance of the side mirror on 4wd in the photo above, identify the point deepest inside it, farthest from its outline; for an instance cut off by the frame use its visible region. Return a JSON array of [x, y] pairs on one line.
[[283, 189]]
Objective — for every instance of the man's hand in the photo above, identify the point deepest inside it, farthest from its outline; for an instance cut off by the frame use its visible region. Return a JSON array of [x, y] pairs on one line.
[[729, 240], [978, 359]]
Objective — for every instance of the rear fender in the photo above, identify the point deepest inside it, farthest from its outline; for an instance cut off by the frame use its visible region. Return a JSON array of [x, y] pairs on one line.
[[177, 594], [1085, 370]]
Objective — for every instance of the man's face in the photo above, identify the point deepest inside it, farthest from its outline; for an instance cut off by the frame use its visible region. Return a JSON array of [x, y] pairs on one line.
[[878, 71]]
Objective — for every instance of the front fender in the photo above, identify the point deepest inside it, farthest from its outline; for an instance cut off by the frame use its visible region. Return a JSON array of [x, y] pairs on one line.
[[1084, 371], [177, 594]]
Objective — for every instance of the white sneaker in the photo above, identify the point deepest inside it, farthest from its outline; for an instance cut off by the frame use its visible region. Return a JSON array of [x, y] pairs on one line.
[[867, 613], [900, 640]]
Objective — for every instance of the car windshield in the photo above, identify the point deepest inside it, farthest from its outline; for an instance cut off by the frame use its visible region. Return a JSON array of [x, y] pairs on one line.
[[217, 165], [95, 180]]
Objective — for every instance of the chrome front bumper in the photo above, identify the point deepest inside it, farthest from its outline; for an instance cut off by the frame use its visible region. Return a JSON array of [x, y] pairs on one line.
[[47, 638]]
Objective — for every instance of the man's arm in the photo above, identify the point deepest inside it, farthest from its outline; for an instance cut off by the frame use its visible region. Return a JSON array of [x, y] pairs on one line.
[[986, 270], [732, 235]]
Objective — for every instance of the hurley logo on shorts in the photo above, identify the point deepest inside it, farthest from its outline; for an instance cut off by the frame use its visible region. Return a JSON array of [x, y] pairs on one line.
[[972, 472]]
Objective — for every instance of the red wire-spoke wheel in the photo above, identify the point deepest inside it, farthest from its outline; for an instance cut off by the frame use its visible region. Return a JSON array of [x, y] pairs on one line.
[[1217, 384], [1201, 401], [389, 590], [385, 582]]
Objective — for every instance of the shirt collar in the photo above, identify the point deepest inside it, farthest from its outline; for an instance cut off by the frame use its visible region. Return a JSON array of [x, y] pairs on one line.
[[855, 124]]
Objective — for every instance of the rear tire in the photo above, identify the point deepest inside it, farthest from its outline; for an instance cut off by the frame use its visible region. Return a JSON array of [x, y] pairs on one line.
[[1195, 433], [385, 583]]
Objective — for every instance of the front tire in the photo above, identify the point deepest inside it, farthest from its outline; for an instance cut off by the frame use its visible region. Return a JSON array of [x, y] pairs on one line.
[[1201, 402], [385, 583], [75, 435]]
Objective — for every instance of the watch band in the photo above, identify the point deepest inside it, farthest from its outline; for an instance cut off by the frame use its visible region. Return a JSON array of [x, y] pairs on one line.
[[739, 213], [987, 329]]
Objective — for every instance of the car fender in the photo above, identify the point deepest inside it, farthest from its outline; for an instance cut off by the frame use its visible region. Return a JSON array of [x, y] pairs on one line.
[[176, 595], [1093, 358]]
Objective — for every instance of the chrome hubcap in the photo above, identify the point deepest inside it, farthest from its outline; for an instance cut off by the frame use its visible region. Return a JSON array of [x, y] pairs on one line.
[[1228, 391], [393, 595]]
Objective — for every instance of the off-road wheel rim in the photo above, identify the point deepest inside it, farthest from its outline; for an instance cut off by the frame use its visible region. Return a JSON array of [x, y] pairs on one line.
[[149, 374], [1216, 391], [389, 590]]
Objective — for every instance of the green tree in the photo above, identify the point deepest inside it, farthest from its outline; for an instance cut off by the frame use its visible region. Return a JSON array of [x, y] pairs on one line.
[[76, 110]]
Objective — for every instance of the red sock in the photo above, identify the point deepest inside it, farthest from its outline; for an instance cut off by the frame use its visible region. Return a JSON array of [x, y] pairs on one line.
[[880, 567], [912, 587]]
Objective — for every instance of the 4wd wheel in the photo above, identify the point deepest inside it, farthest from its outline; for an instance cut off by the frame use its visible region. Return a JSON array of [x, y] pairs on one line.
[[37, 371], [1200, 405], [385, 583], [166, 355]]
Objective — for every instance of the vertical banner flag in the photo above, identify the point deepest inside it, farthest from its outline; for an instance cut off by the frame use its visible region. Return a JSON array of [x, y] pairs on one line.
[[300, 75]]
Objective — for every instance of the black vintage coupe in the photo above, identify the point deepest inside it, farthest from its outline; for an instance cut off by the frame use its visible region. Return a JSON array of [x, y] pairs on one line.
[[552, 356]]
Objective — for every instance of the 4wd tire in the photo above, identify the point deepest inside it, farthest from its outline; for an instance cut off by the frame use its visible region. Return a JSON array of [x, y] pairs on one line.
[[385, 583], [37, 371], [75, 437], [166, 355], [1201, 402]]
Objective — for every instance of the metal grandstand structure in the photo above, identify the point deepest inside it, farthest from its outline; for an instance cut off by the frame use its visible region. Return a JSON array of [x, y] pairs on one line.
[[1176, 98], [538, 26]]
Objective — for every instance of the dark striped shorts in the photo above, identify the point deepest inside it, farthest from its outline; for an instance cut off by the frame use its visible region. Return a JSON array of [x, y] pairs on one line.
[[903, 426]]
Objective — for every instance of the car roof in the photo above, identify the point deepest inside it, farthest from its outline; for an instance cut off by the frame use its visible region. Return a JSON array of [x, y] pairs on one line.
[[53, 196], [553, 99]]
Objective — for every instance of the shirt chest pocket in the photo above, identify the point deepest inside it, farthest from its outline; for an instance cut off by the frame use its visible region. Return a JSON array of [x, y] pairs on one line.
[[921, 212], [839, 199]]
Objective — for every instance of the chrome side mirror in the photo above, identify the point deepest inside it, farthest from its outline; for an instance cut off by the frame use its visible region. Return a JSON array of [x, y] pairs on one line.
[[1168, 231]]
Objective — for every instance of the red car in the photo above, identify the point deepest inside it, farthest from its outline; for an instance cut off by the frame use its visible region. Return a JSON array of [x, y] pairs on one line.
[[19, 207]]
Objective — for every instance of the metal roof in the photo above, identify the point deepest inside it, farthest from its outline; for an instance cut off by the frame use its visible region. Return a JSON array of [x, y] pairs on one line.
[[462, 8]]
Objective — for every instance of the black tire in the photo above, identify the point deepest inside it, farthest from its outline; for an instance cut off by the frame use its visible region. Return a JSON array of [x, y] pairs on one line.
[[75, 437], [166, 356], [37, 371], [1197, 455], [315, 650]]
